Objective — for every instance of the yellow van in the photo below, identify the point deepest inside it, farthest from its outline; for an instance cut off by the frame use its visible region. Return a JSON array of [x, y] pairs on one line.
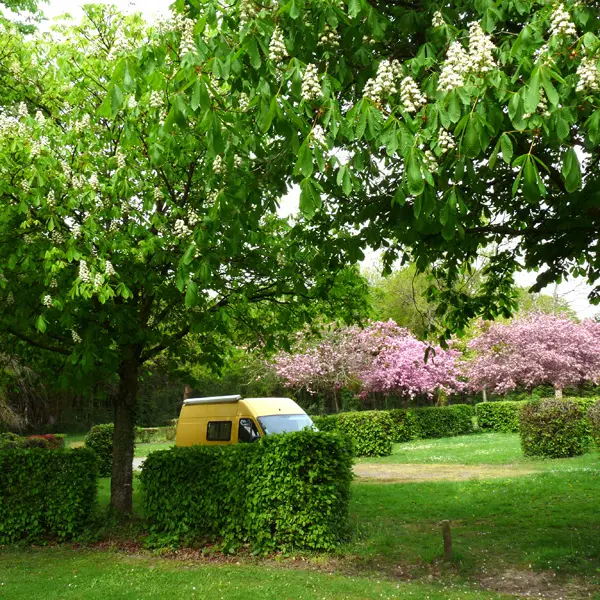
[[231, 419]]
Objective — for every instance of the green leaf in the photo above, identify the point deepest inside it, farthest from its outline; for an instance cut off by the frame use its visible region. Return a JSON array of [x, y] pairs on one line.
[[304, 164], [531, 97], [353, 8], [530, 181], [453, 107], [507, 148], [471, 142], [294, 10], [41, 324], [571, 171], [416, 183], [310, 199], [191, 294]]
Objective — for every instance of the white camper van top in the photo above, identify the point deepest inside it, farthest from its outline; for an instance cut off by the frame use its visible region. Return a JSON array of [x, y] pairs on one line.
[[213, 399]]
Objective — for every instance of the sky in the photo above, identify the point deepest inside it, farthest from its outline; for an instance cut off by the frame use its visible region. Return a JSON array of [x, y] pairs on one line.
[[575, 291]]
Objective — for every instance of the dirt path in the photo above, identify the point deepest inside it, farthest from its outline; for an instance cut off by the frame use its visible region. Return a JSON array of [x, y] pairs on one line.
[[409, 472]]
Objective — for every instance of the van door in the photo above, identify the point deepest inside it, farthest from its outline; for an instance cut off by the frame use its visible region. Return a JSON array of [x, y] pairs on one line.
[[247, 430]]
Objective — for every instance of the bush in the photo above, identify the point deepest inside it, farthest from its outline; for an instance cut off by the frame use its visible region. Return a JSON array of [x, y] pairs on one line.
[[502, 416], [594, 417], [46, 493], [171, 430], [553, 428], [371, 431], [100, 440], [443, 421], [146, 435], [54, 441], [284, 492], [10, 441], [326, 422], [404, 425]]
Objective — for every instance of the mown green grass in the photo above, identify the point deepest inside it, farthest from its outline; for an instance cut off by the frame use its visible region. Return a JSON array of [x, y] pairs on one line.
[[479, 449], [142, 450], [543, 521], [61, 574]]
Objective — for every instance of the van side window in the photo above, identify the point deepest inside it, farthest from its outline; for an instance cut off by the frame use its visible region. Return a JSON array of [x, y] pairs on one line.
[[218, 431], [247, 431]]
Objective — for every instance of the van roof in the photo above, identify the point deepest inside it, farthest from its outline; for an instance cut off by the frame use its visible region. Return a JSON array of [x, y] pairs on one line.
[[261, 406], [212, 399]]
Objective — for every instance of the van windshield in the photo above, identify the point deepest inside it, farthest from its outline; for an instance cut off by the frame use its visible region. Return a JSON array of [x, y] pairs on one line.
[[284, 423]]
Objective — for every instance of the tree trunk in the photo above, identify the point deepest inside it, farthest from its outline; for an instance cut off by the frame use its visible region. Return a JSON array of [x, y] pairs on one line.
[[484, 394], [558, 392], [124, 437], [187, 391]]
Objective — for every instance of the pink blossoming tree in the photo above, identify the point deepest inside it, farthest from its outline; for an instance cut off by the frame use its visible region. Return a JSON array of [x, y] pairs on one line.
[[535, 350], [382, 357]]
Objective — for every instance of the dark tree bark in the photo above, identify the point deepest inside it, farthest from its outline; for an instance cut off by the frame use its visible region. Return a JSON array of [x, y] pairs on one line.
[[125, 404]]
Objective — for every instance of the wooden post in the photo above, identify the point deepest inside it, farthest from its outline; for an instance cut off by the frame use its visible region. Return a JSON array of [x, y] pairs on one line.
[[447, 540]]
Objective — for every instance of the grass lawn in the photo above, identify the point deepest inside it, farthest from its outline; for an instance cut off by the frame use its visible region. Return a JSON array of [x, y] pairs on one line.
[[142, 450], [57, 574], [479, 449]]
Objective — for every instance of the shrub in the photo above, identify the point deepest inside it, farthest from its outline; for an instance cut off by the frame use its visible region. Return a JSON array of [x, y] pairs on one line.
[[45, 493], [404, 425], [371, 431], [171, 430], [553, 428], [35, 441], [100, 440], [54, 441], [10, 441], [326, 422], [146, 435], [284, 492], [443, 421], [594, 417], [502, 416]]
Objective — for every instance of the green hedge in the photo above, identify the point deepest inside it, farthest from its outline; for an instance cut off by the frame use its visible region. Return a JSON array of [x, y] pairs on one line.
[[594, 417], [326, 422], [502, 416], [442, 421], [553, 428], [284, 492], [404, 428], [100, 440], [46, 493], [53, 441], [371, 431]]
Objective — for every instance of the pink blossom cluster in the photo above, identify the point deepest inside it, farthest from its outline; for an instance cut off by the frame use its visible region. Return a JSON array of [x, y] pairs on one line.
[[534, 350], [382, 357]]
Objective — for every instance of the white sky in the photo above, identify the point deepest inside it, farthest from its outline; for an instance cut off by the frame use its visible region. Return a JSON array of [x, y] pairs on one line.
[[575, 291]]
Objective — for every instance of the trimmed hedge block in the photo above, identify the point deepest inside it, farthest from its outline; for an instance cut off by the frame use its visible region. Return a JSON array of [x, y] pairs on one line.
[[594, 417], [404, 425], [46, 493], [443, 421], [502, 416], [326, 422], [554, 428], [284, 492], [371, 431], [100, 440]]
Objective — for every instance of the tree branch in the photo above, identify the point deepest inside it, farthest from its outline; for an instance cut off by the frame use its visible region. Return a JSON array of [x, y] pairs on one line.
[[37, 344]]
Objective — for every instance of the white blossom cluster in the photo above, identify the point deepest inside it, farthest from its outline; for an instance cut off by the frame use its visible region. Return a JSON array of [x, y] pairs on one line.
[[192, 217], [156, 100], [93, 181], [57, 237], [66, 168], [54, 284], [158, 195], [25, 185], [188, 44], [119, 45], [36, 148], [219, 167], [212, 196], [121, 162], [384, 83], [76, 337], [481, 50], [51, 199], [329, 37], [98, 280], [237, 161], [23, 110], [76, 230], [15, 68], [411, 96], [244, 102], [429, 161], [459, 64], [277, 49], [438, 19], [248, 11], [131, 102], [84, 272], [10, 299], [47, 301], [39, 117], [311, 88], [181, 229], [109, 270], [589, 76], [8, 126], [560, 22], [79, 182], [82, 124], [446, 140], [318, 136]]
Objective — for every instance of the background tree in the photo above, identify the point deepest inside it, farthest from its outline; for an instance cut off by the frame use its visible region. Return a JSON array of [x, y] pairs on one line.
[[119, 238], [537, 349]]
